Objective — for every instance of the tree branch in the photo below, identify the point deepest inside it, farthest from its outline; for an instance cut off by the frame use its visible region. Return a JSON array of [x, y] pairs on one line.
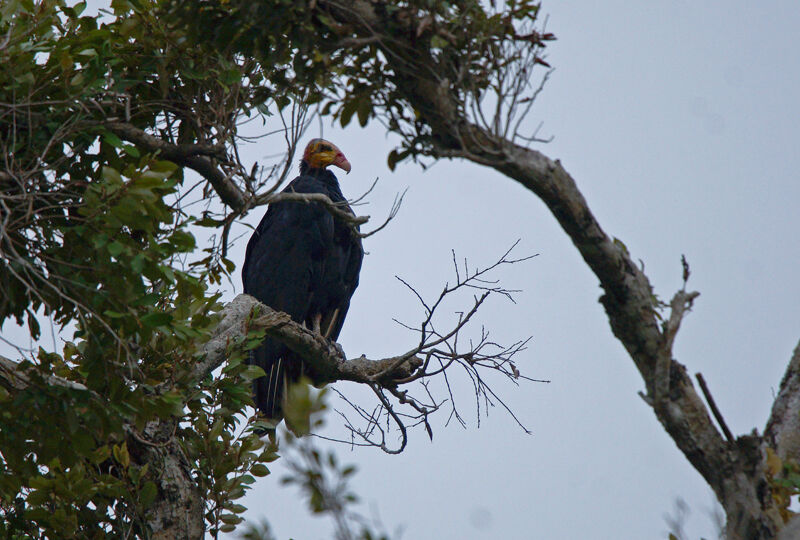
[[12, 377], [337, 210], [735, 472], [325, 362], [193, 156], [782, 432]]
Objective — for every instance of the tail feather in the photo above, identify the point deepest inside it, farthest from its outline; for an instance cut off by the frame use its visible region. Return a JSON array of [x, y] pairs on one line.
[[276, 384], [269, 390]]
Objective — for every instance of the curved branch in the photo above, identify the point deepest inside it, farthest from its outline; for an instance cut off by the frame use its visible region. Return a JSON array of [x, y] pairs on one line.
[[734, 471], [325, 362], [187, 155]]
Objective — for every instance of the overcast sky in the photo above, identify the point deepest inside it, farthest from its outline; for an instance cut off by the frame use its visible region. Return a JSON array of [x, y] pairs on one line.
[[679, 122]]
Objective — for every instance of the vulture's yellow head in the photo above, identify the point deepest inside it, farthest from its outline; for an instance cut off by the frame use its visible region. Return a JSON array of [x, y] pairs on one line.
[[321, 153]]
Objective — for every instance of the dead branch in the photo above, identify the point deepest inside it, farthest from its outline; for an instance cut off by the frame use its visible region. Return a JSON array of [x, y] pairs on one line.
[[714, 409], [439, 353]]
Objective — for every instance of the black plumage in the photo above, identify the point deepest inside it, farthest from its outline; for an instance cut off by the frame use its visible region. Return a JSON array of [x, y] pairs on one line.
[[302, 261]]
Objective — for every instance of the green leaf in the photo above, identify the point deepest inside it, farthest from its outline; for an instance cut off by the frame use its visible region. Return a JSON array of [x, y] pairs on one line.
[[347, 110], [259, 469], [26, 79], [156, 318], [231, 519], [121, 454], [216, 429], [252, 372], [112, 175], [115, 248], [236, 508], [269, 455], [148, 493], [209, 222], [364, 110], [396, 157], [33, 325], [131, 150], [112, 139], [438, 42]]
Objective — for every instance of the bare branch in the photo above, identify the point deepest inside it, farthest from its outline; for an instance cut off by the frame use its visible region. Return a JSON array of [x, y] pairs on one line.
[[711, 403], [336, 209]]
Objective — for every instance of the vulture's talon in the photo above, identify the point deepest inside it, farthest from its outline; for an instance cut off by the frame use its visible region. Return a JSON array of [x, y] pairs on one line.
[[339, 349]]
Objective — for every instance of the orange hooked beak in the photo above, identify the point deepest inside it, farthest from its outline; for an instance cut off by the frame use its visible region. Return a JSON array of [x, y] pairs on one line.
[[341, 162]]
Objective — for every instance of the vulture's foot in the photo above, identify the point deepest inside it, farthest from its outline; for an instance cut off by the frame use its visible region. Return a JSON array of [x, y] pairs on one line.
[[338, 348]]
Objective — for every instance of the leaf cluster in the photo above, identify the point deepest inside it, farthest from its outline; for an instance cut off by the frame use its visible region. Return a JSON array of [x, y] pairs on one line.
[[94, 240], [98, 240]]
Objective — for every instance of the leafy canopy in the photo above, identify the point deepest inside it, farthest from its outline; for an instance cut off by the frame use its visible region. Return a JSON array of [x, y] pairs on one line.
[[99, 236]]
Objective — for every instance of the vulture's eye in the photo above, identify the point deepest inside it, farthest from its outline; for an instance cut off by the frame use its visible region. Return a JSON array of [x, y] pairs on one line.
[[325, 148]]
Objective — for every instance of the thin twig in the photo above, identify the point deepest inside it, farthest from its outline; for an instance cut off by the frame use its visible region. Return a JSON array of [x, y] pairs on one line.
[[713, 405]]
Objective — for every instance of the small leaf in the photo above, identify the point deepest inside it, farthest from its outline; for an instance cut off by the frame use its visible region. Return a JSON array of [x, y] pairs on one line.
[[346, 112], [154, 319], [112, 139], [231, 519], [121, 454], [236, 508], [438, 42], [216, 430], [115, 248], [33, 325], [259, 469], [100, 454], [364, 110], [148, 493], [131, 150]]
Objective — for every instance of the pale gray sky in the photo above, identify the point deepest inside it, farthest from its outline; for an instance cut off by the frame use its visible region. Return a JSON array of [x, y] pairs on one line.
[[679, 121]]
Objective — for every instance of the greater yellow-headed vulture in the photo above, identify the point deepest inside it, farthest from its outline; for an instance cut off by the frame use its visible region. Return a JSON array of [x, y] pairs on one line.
[[304, 262]]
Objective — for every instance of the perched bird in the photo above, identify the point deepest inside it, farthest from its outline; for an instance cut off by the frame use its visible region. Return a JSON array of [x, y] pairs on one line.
[[304, 262]]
